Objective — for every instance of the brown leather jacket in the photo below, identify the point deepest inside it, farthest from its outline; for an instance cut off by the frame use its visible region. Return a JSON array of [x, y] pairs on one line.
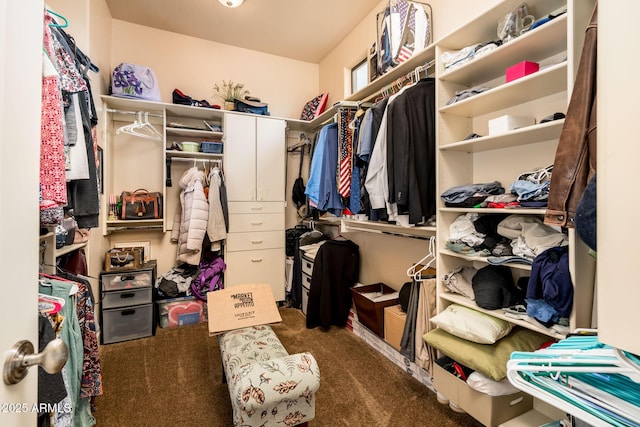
[[575, 160]]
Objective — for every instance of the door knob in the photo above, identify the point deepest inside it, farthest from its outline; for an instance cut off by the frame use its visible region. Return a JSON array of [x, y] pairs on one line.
[[21, 356]]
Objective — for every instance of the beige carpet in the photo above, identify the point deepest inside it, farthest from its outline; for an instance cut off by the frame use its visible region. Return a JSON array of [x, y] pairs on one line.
[[175, 379]]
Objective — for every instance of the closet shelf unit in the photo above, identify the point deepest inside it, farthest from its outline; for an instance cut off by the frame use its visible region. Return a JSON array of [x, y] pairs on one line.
[[175, 123], [51, 253], [556, 46]]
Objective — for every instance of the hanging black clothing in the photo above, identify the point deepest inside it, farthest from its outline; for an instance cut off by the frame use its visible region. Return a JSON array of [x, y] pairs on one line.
[[335, 272], [411, 151]]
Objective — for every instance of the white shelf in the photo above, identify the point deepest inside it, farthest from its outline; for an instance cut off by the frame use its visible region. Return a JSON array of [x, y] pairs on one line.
[[545, 82], [528, 419], [172, 154], [68, 248], [519, 211], [195, 133], [464, 301], [539, 44], [520, 266], [523, 136], [347, 225], [418, 59]]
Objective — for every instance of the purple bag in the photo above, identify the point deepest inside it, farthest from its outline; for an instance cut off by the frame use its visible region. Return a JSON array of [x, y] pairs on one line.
[[209, 275], [135, 81]]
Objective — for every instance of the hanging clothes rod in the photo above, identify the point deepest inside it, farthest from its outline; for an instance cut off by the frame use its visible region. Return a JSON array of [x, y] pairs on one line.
[[413, 76], [194, 159], [110, 110]]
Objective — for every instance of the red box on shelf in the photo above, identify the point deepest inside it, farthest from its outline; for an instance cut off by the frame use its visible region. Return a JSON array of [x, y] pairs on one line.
[[521, 69]]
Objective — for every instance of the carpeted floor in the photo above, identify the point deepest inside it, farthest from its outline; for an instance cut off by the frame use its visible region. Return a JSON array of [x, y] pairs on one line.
[[175, 379]]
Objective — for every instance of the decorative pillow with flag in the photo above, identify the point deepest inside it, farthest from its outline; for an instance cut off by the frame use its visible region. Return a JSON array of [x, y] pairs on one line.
[[315, 107]]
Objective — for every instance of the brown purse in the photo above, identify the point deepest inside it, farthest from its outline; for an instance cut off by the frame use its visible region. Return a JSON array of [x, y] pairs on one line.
[[141, 204]]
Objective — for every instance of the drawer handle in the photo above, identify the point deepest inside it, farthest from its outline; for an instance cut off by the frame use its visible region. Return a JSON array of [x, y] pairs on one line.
[[308, 279], [128, 277], [256, 260], [127, 312], [256, 208], [256, 222], [256, 241], [128, 295], [309, 265]]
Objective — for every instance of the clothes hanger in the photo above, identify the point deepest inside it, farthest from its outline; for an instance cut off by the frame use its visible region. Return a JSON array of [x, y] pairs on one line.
[[303, 142], [65, 24], [598, 383], [48, 304], [141, 128], [416, 270]]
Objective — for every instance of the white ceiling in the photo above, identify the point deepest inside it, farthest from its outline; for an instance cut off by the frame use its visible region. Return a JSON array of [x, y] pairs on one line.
[[306, 30]]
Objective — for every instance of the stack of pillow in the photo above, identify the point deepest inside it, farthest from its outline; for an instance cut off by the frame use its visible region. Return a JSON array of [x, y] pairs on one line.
[[482, 343]]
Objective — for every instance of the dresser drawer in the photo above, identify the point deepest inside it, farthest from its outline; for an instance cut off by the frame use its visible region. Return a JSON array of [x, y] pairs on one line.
[[306, 281], [264, 266], [307, 266], [252, 241], [255, 207], [128, 323], [127, 280], [135, 296], [241, 223]]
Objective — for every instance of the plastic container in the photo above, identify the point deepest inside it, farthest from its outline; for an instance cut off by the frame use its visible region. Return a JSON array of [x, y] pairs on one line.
[[211, 147], [190, 147]]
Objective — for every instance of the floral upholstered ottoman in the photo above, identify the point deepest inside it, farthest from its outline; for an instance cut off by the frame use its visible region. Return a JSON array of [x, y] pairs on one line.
[[267, 385]]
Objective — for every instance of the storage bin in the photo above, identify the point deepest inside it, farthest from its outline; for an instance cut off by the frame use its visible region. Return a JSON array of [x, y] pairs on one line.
[[128, 323], [211, 147], [176, 312], [136, 296], [126, 280], [520, 69], [370, 301], [489, 410], [508, 122]]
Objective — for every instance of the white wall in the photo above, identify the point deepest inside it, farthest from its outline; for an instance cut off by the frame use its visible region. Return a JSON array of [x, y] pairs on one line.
[[194, 65]]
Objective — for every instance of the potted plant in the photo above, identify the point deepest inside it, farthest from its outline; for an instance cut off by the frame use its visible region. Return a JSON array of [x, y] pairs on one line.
[[230, 91]]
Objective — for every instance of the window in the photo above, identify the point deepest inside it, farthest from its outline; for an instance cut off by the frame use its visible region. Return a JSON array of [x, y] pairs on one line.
[[359, 75]]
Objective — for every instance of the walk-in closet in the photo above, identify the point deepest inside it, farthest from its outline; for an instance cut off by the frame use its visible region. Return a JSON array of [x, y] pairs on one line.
[[373, 212]]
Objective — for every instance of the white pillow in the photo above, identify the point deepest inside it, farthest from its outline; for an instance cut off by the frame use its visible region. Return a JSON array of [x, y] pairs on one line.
[[472, 325], [486, 385]]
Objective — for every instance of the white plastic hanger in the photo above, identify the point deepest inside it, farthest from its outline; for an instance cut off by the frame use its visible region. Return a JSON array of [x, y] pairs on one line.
[[141, 128], [415, 271]]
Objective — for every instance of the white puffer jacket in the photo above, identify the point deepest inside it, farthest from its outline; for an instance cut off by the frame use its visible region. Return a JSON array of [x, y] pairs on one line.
[[190, 220]]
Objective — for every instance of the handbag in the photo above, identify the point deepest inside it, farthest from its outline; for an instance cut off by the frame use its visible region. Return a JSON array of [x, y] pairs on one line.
[[141, 204], [123, 258], [135, 81]]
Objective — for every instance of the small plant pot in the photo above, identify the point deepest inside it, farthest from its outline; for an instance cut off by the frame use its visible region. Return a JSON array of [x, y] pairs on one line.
[[228, 105]]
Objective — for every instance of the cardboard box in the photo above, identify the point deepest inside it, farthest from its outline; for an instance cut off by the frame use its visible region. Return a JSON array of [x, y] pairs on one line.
[[521, 69], [489, 410], [241, 306], [394, 320], [174, 312], [370, 301], [508, 122]]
